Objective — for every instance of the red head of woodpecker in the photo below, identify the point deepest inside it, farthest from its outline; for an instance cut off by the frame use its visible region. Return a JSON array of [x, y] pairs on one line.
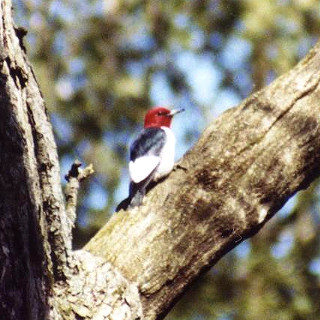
[[151, 153]]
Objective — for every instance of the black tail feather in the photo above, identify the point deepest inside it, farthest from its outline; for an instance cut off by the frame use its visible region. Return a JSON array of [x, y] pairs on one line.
[[137, 192]]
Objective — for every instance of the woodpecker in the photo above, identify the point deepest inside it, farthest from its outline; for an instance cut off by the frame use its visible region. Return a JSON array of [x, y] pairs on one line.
[[151, 153]]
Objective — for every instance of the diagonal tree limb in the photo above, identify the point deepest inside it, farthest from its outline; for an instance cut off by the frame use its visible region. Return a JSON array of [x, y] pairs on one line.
[[243, 169]]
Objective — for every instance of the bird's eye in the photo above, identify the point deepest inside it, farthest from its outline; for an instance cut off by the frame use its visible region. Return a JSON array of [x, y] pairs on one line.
[[161, 113]]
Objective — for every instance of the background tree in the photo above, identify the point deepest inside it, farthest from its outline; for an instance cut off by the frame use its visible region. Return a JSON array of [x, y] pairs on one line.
[[102, 64]]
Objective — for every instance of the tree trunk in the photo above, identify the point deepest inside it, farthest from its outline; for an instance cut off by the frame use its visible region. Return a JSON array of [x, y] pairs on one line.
[[242, 170]]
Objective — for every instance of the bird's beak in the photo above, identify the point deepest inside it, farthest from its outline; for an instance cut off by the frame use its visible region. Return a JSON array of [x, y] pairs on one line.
[[175, 111]]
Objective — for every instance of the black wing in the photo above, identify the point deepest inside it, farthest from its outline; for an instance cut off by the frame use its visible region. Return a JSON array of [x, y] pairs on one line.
[[150, 140]]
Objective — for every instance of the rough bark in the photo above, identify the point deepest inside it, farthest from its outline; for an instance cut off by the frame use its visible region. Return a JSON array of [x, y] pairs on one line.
[[243, 169], [33, 224]]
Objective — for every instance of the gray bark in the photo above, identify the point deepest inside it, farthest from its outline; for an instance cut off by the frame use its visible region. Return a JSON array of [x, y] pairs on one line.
[[33, 225], [245, 166], [240, 173]]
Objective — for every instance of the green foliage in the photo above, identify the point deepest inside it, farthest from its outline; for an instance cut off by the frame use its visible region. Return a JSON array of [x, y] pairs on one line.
[[101, 64]]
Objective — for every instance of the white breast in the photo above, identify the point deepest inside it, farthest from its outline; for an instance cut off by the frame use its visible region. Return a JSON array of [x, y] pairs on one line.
[[167, 155]]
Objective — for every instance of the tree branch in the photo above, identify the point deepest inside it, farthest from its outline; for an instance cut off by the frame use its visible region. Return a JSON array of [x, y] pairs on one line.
[[245, 166], [74, 177]]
